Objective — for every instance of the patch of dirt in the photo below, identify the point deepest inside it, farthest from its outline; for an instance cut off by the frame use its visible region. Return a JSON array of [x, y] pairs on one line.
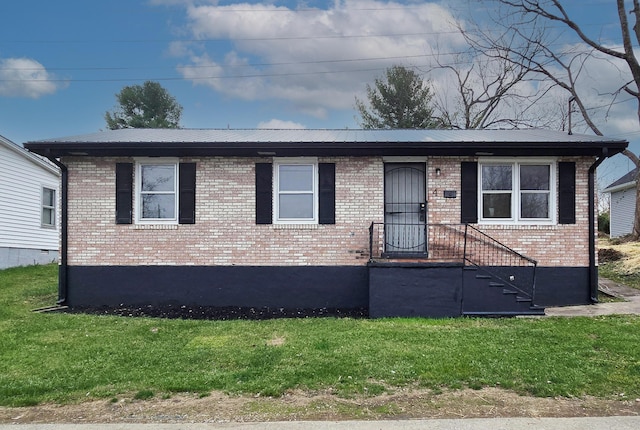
[[303, 405], [629, 250], [609, 254]]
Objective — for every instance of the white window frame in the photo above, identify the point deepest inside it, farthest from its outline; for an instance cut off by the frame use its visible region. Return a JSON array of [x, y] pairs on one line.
[[313, 162], [138, 190], [51, 208], [516, 192]]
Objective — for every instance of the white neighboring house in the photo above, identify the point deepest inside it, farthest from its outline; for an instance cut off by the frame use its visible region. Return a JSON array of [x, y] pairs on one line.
[[623, 204], [29, 207]]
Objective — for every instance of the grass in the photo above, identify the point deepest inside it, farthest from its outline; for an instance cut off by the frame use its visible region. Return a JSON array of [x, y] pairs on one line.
[[64, 358]]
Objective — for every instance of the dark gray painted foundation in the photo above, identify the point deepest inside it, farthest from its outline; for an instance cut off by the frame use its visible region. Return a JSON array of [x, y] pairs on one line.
[[387, 290], [562, 286], [343, 287], [415, 290]]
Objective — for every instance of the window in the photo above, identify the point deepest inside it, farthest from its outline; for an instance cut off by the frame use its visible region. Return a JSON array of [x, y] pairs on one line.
[[295, 191], [520, 192], [535, 191], [156, 185], [295, 196], [164, 190], [48, 207], [497, 191]]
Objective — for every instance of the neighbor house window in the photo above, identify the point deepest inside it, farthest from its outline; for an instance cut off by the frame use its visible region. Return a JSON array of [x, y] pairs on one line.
[[156, 185], [296, 191], [48, 207], [517, 192]]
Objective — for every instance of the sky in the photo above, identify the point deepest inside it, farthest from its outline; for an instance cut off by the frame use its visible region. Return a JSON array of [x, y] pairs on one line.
[[249, 64]]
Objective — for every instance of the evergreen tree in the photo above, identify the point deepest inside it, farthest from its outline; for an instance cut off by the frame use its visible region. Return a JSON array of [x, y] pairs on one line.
[[144, 106], [402, 100]]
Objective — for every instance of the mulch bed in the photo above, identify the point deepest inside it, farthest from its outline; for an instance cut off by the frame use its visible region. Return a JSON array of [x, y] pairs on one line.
[[218, 313]]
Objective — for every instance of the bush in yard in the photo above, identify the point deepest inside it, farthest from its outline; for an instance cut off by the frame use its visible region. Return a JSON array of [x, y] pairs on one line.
[[603, 222]]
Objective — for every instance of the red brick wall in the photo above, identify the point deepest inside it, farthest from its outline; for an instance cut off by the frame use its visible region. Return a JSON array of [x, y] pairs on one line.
[[225, 232]]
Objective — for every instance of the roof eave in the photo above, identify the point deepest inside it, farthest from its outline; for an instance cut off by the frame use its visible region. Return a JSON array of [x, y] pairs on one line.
[[33, 158], [621, 187], [253, 149]]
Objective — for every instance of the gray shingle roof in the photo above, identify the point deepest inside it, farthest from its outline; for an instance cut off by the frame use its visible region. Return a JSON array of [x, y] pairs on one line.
[[627, 179], [324, 136], [346, 142]]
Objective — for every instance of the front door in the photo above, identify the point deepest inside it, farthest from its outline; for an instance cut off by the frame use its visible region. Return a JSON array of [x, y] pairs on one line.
[[405, 210]]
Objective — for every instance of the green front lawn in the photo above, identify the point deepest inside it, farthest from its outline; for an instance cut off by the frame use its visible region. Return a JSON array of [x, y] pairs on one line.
[[59, 357]]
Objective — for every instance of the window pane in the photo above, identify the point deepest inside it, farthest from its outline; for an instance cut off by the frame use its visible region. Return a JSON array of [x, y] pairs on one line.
[[160, 206], [296, 178], [48, 197], [48, 216], [296, 206], [534, 205], [496, 177], [496, 205], [158, 178], [534, 177]]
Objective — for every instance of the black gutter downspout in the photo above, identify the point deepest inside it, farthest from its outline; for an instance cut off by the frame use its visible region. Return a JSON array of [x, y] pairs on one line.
[[593, 269], [64, 228]]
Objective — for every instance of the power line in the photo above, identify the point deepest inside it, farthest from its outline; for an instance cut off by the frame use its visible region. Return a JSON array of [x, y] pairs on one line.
[[261, 39], [277, 64], [241, 39], [264, 39], [202, 78], [287, 63]]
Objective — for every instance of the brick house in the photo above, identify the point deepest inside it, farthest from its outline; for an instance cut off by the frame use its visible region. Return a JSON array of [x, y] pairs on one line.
[[400, 222]]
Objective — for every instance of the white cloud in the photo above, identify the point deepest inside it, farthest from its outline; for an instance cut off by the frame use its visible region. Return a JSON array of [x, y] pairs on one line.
[[316, 59], [278, 124], [24, 77]]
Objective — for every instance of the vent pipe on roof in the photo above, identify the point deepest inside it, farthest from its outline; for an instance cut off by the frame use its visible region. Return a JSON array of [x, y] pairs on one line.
[[571, 100]]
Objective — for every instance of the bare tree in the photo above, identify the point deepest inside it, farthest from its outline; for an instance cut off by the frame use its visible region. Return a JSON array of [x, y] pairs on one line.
[[491, 91], [531, 22]]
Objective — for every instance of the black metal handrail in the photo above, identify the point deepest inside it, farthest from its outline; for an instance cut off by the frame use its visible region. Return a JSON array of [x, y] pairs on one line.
[[456, 242], [435, 241], [514, 269]]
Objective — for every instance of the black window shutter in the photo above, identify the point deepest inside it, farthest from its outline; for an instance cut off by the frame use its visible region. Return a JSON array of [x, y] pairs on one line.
[[124, 193], [187, 193], [264, 193], [566, 193], [327, 193], [469, 192]]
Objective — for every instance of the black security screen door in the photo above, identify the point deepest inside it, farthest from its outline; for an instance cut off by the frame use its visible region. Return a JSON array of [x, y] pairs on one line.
[[405, 210]]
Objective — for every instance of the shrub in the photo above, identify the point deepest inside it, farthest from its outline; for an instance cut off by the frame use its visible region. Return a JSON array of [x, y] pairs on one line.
[[603, 222]]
